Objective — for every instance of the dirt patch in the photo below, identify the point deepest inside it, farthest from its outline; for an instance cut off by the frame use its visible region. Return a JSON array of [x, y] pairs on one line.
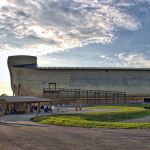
[[37, 137]]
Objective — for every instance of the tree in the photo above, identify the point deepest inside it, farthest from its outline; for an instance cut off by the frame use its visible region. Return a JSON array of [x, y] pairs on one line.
[[4, 94]]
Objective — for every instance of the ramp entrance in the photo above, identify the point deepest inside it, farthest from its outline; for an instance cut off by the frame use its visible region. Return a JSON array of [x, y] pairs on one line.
[[82, 96]]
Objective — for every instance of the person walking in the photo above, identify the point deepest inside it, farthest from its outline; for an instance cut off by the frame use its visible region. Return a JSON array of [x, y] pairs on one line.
[[58, 108], [35, 109], [52, 107], [42, 109]]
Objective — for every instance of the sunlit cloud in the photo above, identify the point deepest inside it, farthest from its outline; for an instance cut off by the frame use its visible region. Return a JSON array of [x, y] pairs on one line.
[[134, 59], [95, 33], [54, 25]]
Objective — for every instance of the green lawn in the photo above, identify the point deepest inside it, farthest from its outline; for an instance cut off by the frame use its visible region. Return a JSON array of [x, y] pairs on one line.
[[100, 119], [114, 105]]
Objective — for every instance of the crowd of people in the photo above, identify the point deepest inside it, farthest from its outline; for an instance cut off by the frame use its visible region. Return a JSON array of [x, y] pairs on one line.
[[46, 109], [40, 110], [36, 110]]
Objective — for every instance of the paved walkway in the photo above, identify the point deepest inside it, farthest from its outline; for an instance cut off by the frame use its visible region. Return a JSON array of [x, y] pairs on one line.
[[26, 118], [18, 118]]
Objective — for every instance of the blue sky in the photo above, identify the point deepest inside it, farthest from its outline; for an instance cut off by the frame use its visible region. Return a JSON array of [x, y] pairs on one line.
[[99, 33]]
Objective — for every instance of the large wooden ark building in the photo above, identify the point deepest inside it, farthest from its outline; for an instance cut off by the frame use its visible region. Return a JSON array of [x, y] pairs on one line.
[[86, 84]]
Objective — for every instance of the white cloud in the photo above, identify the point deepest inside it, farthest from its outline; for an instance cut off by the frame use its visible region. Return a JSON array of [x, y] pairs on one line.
[[134, 59], [57, 25], [105, 57]]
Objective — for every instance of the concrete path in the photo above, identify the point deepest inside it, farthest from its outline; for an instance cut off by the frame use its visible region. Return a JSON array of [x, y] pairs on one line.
[[17, 117], [26, 117]]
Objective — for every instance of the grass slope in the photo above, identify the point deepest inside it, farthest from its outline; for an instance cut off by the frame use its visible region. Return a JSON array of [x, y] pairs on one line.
[[99, 119]]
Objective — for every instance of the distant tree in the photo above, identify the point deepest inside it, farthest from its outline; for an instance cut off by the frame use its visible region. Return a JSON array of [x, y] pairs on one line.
[[4, 94]]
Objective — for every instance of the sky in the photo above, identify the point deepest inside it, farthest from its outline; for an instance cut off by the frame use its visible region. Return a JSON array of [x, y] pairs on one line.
[[98, 33]]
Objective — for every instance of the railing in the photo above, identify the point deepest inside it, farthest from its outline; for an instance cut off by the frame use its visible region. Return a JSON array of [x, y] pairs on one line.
[[82, 94]]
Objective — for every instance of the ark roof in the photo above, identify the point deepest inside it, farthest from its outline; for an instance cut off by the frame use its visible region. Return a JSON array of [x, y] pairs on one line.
[[93, 68]]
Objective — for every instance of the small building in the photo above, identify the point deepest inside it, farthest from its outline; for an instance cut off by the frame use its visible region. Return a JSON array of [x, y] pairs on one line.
[[21, 104]]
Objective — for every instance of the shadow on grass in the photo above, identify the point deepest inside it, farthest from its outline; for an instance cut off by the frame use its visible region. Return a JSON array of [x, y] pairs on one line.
[[107, 117]]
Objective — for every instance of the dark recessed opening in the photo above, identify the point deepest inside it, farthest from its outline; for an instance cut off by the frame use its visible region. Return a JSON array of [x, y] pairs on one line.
[[146, 100]]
